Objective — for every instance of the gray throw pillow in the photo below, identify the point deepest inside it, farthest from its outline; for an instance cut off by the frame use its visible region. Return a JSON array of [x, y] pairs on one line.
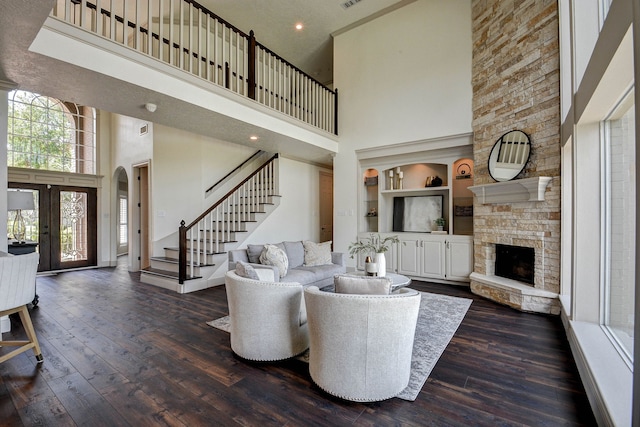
[[253, 253], [295, 253], [243, 269], [362, 285]]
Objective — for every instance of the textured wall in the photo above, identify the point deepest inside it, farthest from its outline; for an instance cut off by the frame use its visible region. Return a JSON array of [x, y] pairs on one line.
[[515, 77]]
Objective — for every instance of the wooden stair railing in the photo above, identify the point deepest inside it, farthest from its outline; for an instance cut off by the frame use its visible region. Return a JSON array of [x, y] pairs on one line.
[[218, 52], [237, 168], [215, 226]]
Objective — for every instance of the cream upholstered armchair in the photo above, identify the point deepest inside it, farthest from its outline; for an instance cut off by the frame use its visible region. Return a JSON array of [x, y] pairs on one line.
[[17, 289], [360, 346], [268, 319]]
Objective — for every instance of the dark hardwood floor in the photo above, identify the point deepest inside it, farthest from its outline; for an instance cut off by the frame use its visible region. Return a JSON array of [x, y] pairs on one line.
[[120, 352]]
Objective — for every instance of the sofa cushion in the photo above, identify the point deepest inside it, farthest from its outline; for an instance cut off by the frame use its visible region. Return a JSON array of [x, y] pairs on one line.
[[243, 269], [273, 255], [300, 275], [308, 275], [295, 253], [317, 253], [253, 252], [363, 285]]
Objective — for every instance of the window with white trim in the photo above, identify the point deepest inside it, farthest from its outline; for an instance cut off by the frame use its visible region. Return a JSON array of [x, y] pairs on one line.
[[619, 212], [122, 221], [46, 133]]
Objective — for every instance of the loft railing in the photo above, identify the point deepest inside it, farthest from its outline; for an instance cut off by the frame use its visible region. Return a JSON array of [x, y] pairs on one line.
[[188, 36], [207, 234]]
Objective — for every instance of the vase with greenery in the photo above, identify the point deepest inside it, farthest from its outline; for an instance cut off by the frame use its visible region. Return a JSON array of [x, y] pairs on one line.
[[440, 223], [375, 245]]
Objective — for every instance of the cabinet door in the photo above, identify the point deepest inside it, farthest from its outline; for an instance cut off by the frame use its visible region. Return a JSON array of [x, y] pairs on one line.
[[408, 257], [459, 260], [433, 259], [392, 256]]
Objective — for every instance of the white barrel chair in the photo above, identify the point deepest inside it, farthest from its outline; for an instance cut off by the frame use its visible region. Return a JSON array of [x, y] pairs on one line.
[[268, 319], [17, 289], [360, 346]]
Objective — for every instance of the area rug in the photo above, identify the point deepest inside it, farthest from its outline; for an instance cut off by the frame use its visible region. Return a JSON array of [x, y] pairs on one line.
[[438, 320]]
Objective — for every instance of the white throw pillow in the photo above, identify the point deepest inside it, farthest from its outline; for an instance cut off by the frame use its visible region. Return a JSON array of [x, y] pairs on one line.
[[273, 255], [362, 285], [317, 253]]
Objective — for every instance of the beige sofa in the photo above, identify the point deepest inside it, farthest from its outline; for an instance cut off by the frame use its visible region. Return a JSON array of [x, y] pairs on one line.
[[317, 275]]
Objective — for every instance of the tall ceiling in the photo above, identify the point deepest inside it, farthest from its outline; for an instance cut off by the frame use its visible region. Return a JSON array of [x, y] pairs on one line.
[[273, 22]]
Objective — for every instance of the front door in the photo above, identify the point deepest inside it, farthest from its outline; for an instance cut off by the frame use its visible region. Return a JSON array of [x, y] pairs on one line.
[[64, 224]]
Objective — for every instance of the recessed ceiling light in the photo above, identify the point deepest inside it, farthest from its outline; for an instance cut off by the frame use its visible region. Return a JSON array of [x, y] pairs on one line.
[[299, 26], [253, 138]]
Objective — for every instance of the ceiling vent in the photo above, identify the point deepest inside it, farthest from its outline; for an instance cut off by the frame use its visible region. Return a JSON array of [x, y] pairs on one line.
[[349, 3]]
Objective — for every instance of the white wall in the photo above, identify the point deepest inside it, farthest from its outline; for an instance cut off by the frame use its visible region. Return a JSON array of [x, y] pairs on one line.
[[184, 165], [297, 217], [403, 77]]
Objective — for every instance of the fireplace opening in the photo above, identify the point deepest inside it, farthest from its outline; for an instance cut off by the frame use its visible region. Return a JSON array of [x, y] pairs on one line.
[[515, 262]]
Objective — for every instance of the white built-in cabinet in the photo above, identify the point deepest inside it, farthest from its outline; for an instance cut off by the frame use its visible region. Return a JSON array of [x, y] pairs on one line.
[[389, 179], [435, 256], [429, 256]]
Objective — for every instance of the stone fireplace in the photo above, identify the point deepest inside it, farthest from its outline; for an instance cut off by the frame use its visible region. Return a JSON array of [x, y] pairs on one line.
[[516, 85], [515, 262], [537, 296]]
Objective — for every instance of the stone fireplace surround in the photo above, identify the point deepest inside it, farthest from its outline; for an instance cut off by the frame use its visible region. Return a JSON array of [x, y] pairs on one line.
[[511, 292], [518, 217]]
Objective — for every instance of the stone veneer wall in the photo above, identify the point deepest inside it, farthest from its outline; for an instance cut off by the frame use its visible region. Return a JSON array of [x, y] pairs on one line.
[[516, 85]]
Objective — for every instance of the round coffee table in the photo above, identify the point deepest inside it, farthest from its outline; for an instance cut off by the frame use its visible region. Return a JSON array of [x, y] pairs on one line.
[[397, 280]]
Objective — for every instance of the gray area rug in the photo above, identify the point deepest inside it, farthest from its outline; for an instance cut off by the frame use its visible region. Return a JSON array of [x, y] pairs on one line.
[[438, 320]]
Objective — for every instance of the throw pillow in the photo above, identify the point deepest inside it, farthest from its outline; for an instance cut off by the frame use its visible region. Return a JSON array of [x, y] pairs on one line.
[[295, 253], [362, 285], [243, 269], [273, 255], [253, 253], [317, 253]]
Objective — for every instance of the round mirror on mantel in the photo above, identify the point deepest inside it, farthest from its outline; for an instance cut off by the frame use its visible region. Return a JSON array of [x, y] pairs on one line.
[[509, 155]]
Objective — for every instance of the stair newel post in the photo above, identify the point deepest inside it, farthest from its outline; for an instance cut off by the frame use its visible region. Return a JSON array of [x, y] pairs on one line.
[[182, 253], [251, 78], [275, 164], [218, 225], [335, 113]]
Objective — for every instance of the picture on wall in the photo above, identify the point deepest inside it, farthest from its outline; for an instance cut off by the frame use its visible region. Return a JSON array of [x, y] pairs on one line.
[[416, 213]]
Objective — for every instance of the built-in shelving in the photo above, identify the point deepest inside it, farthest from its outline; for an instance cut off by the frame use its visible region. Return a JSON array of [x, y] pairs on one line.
[[405, 177]]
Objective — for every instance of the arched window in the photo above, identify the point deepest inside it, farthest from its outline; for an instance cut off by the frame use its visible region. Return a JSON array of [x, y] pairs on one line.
[[46, 133]]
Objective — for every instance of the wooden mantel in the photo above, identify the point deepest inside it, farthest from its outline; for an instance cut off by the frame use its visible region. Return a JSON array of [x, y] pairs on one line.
[[519, 190]]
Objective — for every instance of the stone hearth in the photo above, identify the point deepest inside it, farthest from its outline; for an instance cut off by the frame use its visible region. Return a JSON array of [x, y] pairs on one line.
[[520, 295]]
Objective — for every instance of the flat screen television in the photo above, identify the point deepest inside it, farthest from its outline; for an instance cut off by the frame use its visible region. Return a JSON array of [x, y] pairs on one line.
[[416, 213]]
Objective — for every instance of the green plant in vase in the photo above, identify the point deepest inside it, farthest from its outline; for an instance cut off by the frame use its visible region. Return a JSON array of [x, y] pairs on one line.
[[375, 246], [440, 223]]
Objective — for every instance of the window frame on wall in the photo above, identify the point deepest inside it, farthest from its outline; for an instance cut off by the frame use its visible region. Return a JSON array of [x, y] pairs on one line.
[[123, 224], [46, 133], [610, 243]]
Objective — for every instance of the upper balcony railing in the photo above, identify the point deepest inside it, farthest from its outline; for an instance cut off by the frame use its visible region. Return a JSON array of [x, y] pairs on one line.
[[186, 35]]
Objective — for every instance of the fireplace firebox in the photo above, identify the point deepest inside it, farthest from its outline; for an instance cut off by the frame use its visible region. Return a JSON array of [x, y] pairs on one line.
[[515, 262]]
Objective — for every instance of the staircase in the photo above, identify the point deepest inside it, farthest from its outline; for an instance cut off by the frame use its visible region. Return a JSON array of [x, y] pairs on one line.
[[199, 261]]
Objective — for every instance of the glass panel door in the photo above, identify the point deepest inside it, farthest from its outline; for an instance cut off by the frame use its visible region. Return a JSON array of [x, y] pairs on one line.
[[73, 226], [63, 224]]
